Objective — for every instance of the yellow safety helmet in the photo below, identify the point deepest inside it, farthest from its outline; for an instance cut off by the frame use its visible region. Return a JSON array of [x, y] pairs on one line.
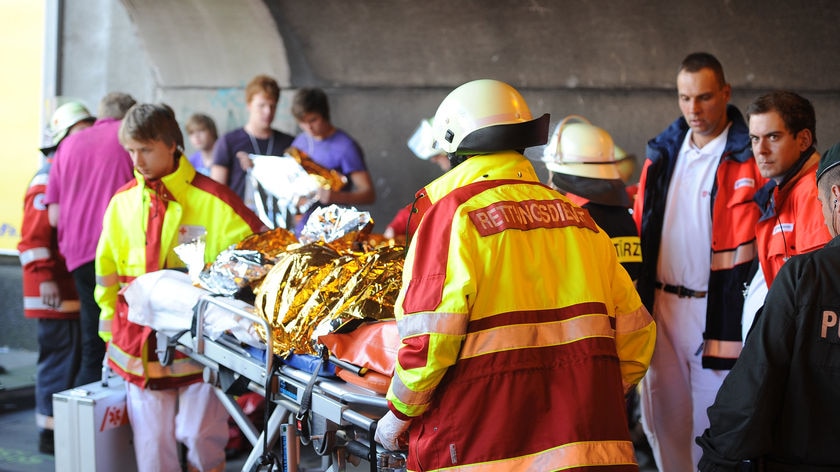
[[65, 117], [580, 148], [484, 116]]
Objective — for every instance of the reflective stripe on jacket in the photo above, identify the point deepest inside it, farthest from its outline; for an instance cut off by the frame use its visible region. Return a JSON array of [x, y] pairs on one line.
[[733, 214], [141, 228], [619, 225], [520, 331], [39, 257]]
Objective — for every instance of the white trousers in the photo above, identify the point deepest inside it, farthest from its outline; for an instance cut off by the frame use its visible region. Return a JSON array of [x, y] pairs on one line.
[[191, 415], [676, 391]]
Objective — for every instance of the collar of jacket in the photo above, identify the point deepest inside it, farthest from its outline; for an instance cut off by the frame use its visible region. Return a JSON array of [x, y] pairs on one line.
[[507, 165], [795, 172], [764, 196], [610, 192], [175, 183], [668, 143]]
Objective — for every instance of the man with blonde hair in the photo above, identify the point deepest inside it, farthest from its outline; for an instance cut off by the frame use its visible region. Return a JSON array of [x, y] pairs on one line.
[[230, 156]]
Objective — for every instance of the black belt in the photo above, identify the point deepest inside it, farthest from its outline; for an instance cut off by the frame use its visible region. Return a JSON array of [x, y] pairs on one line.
[[680, 291]]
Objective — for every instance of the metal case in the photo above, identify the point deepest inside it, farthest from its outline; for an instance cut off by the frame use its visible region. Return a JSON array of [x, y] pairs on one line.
[[91, 429]]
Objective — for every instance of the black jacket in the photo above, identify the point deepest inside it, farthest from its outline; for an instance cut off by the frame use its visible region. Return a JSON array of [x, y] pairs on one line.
[[781, 401]]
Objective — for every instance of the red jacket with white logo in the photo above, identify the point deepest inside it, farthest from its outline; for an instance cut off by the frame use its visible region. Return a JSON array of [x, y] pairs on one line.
[[733, 214], [797, 227]]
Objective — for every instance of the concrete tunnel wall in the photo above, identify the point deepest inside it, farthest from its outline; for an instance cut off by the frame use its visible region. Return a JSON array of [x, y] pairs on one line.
[[386, 64]]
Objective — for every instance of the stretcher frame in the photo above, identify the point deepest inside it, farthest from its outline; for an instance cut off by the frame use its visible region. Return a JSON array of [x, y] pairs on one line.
[[347, 414]]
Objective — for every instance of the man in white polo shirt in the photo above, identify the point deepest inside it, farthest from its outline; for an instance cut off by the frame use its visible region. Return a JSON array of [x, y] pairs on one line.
[[696, 221]]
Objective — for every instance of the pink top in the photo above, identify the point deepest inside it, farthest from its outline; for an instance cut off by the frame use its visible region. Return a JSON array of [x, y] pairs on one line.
[[88, 169]]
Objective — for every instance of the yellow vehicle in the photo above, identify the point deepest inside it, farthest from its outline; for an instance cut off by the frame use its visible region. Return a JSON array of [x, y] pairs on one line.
[[21, 25]]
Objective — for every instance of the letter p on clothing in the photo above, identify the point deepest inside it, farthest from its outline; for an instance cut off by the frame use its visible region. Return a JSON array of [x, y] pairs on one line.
[[829, 320]]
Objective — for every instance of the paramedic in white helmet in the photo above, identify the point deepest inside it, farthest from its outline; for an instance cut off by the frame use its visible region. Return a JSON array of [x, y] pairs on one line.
[[49, 293], [520, 330], [422, 144], [580, 158]]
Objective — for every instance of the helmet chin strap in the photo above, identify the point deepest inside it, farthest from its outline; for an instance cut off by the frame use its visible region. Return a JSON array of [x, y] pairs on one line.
[[455, 159]]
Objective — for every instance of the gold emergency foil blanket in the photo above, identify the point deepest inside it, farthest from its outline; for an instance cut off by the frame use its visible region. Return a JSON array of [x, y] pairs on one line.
[[245, 264], [314, 288], [372, 290], [289, 283], [271, 244], [326, 178]]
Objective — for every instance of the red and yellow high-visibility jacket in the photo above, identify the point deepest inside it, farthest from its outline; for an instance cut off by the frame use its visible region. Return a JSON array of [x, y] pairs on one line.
[[143, 224], [40, 259], [520, 330]]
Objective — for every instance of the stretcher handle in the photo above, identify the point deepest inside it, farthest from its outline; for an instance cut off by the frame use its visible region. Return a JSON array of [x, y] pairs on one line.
[[222, 302], [356, 369], [361, 450], [367, 451], [358, 449], [377, 457]]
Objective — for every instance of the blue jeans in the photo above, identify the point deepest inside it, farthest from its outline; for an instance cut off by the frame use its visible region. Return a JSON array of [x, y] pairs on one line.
[[59, 354]]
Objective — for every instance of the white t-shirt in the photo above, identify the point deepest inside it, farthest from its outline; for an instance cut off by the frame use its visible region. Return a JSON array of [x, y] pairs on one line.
[[685, 250]]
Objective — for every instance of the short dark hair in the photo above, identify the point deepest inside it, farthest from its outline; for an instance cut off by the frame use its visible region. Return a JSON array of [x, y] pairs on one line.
[[200, 120], [796, 111], [152, 122], [115, 105], [310, 100], [697, 61], [829, 178]]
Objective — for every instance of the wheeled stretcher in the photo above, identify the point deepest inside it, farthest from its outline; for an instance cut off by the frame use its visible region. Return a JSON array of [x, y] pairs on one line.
[[337, 419]]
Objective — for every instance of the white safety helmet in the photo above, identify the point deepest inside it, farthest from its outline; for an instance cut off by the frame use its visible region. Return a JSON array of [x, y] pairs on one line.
[[626, 163], [422, 141], [580, 148], [486, 116], [65, 117]]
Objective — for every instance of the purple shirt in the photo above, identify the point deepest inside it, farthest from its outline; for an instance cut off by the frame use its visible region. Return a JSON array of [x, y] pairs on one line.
[[224, 153], [198, 163], [88, 168], [337, 152]]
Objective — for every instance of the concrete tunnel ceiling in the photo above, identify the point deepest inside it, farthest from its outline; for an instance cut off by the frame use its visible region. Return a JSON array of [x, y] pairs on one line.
[[179, 37]]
